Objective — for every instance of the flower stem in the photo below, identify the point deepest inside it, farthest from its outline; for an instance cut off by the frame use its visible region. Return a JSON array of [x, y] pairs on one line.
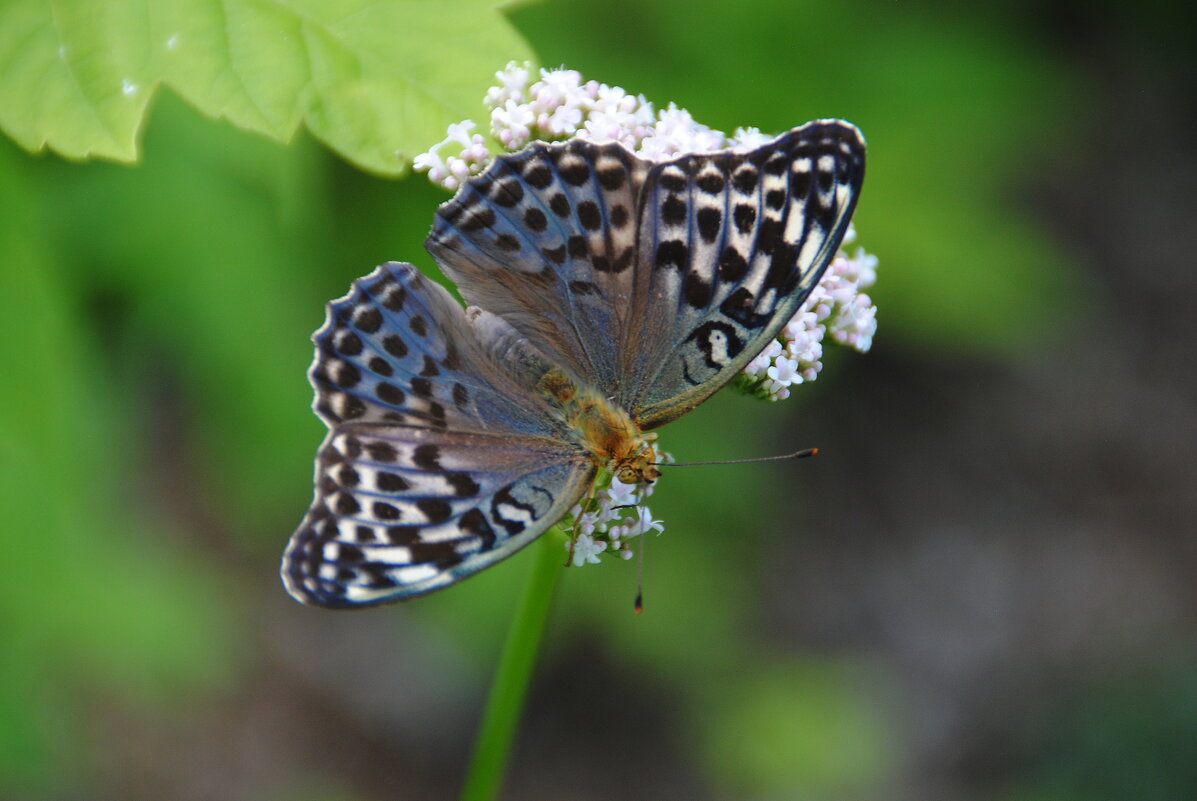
[[496, 735]]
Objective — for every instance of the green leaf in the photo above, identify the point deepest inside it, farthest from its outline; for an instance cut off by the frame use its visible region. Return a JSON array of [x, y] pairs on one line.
[[375, 81]]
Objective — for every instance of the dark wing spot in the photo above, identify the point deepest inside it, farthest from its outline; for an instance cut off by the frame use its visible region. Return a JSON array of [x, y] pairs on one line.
[[403, 535], [460, 396], [673, 253], [349, 343], [555, 255], [507, 242], [451, 361], [421, 387], [800, 184], [744, 216], [346, 375], [710, 223], [389, 393], [345, 504], [463, 484], [368, 320], [381, 366], [539, 176], [390, 482], [697, 291], [712, 183], [507, 193], [619, 216], [775, 198], [382, 452], [418, 326], [673, 210], [437, 510], [777, 165], [577, 246], [770, 235], [346, 476], [430, 369], [611, 178], [353, 408], [559, 204], [576, 173], [745, 180], [535, 220], [394, 345], [589, 216], [385, 511], [623, 261], [732, 266], [673, 180], [395, 298], [474, 522], [740, 306], [427, 457]]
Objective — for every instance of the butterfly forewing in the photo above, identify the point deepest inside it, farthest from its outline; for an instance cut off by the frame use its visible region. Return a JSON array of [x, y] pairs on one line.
[[441, 458], [729, 245], [545, 239]]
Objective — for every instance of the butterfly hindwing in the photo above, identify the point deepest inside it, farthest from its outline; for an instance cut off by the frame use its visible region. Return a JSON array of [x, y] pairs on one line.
[[730, 244], [401, 510], [441, 458]]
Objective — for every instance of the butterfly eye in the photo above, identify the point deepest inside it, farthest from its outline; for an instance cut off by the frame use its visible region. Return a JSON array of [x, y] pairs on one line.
[[628, 474]]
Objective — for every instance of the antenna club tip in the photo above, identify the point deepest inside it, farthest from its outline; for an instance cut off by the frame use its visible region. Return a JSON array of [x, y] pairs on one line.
[[639, 605], [814, 451]]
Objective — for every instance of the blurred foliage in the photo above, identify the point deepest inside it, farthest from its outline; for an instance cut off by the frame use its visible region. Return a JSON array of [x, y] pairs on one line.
[[157, 440], [1126, 734], [376, 81]]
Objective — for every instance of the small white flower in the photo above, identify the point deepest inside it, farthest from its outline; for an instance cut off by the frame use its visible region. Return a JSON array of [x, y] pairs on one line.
[[461, 132], [621, 494], [586, 550], [784, 371], [744, 139], [432, 163], [643, 524], [585, 524], [512, 124], [564, 121], [513, 81]]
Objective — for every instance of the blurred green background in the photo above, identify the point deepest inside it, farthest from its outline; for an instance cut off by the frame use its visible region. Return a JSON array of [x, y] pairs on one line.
[[982, 588]]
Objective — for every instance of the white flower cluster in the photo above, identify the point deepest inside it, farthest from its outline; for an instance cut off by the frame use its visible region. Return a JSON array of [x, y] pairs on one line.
[[561, 105], [609, 519], [837, 306], [450, 171]]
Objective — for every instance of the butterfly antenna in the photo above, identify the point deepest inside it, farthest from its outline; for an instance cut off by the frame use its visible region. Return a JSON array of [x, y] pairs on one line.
[[639, 604], [802, 454]]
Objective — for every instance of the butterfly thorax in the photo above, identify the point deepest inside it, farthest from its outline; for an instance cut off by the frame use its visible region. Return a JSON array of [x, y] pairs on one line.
[[603, 428]]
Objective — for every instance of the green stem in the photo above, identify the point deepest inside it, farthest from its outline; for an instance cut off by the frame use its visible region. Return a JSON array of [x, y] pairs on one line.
[[496, 735]]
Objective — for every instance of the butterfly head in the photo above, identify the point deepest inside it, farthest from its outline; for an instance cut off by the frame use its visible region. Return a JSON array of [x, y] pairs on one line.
[[640, 467]]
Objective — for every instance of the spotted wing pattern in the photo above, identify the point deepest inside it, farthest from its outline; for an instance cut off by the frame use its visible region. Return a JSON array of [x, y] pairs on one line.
[[655, 282], [439, 461], [545, 238], [730, 244]]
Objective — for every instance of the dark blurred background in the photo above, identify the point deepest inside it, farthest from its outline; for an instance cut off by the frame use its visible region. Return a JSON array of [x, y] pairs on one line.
[[983, 588]]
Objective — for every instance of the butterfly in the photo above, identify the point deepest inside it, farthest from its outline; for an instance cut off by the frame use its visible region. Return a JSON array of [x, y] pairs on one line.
[[609, 295]]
